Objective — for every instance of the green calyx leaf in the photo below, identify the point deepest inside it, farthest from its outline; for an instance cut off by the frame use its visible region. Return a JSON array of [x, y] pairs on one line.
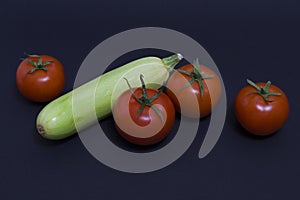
[[196, 75], [264, 91], [144, 100], [39, 65]]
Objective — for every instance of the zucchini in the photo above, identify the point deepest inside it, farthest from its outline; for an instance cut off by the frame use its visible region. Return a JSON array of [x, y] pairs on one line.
[[57, 119]]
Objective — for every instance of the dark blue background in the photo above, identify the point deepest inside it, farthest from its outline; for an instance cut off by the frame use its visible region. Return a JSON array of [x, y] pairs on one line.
[[257, 39]]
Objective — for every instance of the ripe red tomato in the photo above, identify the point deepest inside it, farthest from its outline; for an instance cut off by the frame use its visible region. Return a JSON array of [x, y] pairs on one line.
[[143, 125], [195, 90], [261, 108], [40, 78]]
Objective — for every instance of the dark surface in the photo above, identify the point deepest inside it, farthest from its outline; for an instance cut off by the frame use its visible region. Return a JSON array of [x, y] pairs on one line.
[[247, 39]]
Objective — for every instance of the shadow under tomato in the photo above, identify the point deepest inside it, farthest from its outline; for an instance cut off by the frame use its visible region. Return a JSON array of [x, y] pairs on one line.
[[233, 123], [112, 134]]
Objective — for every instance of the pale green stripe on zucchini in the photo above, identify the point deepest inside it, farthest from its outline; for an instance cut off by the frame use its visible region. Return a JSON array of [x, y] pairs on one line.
[[57, 119]]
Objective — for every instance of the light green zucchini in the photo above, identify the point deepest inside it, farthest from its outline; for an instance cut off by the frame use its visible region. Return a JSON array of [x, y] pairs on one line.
[[93, 100]]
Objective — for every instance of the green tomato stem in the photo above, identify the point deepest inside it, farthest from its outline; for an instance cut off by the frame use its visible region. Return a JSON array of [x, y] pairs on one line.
[[264, 91], [196, 75], [144, 100], [39, 65]]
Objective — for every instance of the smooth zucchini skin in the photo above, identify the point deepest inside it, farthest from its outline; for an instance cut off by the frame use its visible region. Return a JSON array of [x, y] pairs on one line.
[[76, 109]]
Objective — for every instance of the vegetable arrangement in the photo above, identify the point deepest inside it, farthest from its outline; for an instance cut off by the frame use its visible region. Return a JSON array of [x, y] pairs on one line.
[[57, 120], [143, 113]]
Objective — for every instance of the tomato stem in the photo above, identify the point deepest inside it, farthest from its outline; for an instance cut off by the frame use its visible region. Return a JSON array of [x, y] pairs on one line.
[[196, 75], [39, 65], [264, 91], [144, 100]]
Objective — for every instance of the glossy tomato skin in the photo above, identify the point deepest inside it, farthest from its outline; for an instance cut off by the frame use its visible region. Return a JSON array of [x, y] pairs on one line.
[[258, 116], [189, 101], [40, 85], [148, 128]]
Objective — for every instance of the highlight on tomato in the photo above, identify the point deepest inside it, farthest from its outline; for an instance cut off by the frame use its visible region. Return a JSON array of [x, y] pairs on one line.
[[143, 116], [194, 89], [40, 78], [261, 108]]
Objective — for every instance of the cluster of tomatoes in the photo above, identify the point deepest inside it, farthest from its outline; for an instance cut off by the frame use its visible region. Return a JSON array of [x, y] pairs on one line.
[[193, 90]]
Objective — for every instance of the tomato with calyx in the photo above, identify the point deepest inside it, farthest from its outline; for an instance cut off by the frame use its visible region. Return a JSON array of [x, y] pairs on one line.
[[143, 116], [40, 78], [195, 90], [261, 108]]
